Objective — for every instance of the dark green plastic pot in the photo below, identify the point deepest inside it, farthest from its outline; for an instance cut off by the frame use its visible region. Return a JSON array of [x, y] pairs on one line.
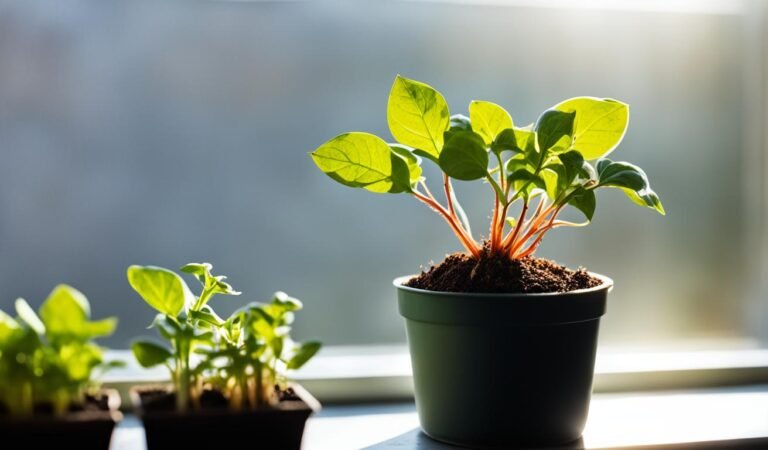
[[503, 370]]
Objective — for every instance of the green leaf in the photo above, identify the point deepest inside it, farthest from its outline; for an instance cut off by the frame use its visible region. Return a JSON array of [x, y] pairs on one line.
[[488, 120], [8, 327], [464, 156], [524, 182], [305, 352], [28, 316], [588, 172], [214, 284], [518, 162], [460, 122], [66, 313], [600, 124], [413, 162], [647, 198], [554, 130], [160, 288], [583, 200], [521, 140], [166, 326], [207, 315], [149, 354], [573, 163], [630, 179], [362, 160], [417, 115], [555, 177], [286, 302]]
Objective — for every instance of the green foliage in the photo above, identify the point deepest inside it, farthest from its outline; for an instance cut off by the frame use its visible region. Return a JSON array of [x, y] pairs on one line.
[[600, 124], [548, 160], [49, 356], [488, 120], [245, 355], [417, 115], [464, 156], [366, 161], [160, 288]]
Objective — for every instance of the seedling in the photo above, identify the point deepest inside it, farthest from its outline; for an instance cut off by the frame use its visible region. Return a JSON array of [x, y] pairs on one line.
[[244, 356], [49, 357], [544, 166]]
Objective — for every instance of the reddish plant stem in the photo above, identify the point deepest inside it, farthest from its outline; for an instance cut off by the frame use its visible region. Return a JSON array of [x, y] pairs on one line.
[[494, 225], [466, 241], [541, 232], [531, 227], [519, 224], [507, 241]]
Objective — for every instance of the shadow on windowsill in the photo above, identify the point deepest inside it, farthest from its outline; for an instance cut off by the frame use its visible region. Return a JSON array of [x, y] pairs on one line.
[[417, 440]]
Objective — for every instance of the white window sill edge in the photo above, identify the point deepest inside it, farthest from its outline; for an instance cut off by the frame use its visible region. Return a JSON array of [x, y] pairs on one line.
[[345, 374]]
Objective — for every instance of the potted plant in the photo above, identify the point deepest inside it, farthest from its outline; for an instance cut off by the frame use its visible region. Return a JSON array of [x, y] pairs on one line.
[[48, 361], [228, 375], [502, 343]]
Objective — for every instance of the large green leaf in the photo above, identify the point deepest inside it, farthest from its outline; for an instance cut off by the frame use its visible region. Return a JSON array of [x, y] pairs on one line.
[[600, 124], [363, 160], [161, 288], [417, 115], [464, 156], [584, 200], [66, 314], [554, 131], [150, 354], [488, 120], [303, 354]]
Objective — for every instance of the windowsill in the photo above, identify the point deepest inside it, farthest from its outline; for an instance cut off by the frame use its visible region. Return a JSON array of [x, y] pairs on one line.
[[371, 373], [724, 418]]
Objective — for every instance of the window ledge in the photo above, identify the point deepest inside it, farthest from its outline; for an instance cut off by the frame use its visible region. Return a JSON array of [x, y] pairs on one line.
[[367, 373]]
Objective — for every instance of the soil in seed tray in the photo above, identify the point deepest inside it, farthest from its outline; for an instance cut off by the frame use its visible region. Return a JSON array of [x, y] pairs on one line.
[[159, 399], [460, 272]]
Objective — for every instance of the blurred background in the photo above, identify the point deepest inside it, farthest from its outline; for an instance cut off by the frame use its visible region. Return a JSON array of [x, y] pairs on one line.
[[164, 132]]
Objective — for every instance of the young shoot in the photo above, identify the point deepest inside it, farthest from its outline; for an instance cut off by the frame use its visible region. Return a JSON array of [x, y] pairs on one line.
[[48, 357], [540, 168], [245, 356]]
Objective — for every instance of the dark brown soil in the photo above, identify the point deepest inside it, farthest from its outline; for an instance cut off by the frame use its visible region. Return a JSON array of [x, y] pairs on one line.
[[498, 274], [93, 403], [158, 399]]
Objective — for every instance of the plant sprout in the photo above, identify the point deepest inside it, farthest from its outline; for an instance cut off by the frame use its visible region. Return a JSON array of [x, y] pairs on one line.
[[244, 356], [49, 357], [543, 167]]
